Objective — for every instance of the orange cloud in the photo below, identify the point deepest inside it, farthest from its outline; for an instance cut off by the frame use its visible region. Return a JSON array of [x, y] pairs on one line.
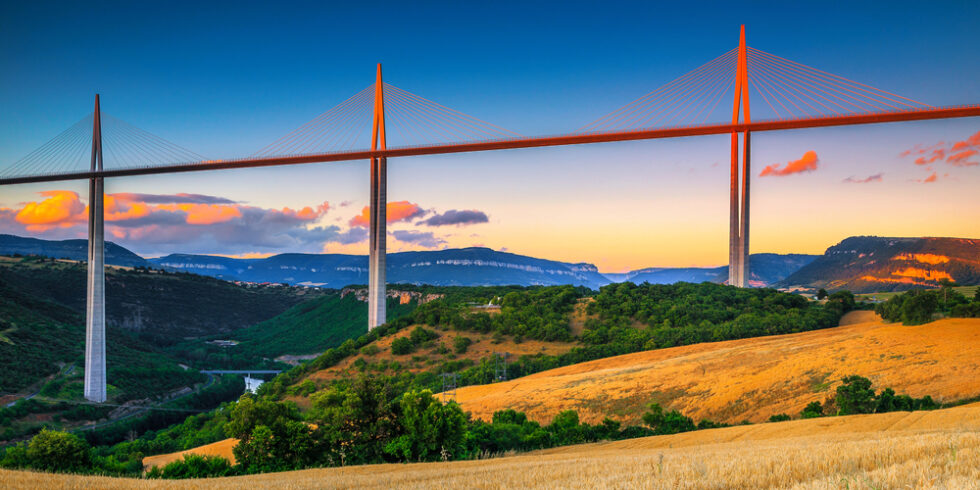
[[960, 159], [396, 211], [931, 178], [808, 163], [117, 209], [974, 140], [308, 213], [957, 154], [60, 209], [209, 214]]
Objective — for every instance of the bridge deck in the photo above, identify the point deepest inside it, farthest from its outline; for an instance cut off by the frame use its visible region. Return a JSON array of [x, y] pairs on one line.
[[515, 143]]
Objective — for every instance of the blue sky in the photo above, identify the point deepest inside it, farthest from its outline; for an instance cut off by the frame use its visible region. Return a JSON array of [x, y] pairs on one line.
[[224, 79]]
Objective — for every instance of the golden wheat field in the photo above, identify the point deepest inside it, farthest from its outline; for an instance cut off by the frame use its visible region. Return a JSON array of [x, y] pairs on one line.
[[221, 448], [750, 379], [938, 449]]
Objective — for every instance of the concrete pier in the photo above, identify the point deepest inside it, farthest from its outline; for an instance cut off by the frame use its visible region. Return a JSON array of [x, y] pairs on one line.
[[95, 370], [738, 232], [377, 292]]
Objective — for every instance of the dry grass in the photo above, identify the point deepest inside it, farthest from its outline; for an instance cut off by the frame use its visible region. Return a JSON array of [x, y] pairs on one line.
[[750, 379], [939, 449], [482, 347], [220, 448]]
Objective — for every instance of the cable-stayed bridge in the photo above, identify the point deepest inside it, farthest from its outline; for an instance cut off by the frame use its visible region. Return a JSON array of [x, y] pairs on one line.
[[398, 123]]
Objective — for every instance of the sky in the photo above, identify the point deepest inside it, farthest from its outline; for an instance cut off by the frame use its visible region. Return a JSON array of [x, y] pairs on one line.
[[225, 79]]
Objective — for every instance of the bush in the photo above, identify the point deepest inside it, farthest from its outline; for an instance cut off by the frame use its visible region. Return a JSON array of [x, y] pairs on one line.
[[671, 422], [461, 344], [370, 350], [855, 396], [58, 451], [402, 346], [779, 417], [421, 335], [812, 411], [194, 466], [430, 429]]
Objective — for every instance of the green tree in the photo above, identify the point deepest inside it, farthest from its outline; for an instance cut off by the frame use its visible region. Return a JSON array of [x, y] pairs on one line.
[[420, 335], [671, 422], [402, 346], [654, 415], [461, 344], [919, 307], [812, 410], [779, 417], [430, 430], [822, 293], [356, 420], [194, 466], [271, 436], [250, 412], [855, 396], [566, 428], [58, 451]]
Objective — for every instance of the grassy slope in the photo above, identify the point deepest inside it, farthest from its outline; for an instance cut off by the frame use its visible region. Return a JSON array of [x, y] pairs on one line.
[[750, 378], [894, 450]]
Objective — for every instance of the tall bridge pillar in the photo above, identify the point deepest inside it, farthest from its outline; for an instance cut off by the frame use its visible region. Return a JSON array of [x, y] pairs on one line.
[[377, 294], [738, 236], [95, 371]]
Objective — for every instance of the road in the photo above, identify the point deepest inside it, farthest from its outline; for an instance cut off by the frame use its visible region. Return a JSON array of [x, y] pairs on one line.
[[143, 409], [65, 372]]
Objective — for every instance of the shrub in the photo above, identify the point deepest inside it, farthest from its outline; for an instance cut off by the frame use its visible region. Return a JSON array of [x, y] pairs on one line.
[[671, 422], [430, 429], [461, 344], [421, 335], [194, 466], [58, 451], [855, 396], [812, 411], [370, 350], [402, 346], [779, 417]]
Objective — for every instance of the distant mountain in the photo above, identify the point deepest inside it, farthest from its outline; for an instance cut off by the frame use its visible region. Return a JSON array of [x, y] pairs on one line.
[[68, 249], [454, 267], [867, 264], [766, 269]]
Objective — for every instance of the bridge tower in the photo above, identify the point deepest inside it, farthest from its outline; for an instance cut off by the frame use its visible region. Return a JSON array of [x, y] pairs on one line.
[[377, 294], [95, 372], [738, 243]]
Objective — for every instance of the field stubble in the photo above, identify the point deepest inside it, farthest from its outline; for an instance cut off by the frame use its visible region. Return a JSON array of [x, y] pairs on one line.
[[750, 379], [937, 449]]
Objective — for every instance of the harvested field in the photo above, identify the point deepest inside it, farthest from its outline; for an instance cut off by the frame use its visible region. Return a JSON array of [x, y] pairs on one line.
[[939, 449], [750, 379], [220, 448]]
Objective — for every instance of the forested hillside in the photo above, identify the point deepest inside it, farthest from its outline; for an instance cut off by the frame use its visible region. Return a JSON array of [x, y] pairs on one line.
[[310, 327], [620, 319], [161, 307]]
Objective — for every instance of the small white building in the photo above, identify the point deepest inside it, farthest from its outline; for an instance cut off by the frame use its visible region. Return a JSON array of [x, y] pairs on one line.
[[252, 384]]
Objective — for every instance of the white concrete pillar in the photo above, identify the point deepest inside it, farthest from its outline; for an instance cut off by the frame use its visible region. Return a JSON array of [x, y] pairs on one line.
[[95, 369]]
